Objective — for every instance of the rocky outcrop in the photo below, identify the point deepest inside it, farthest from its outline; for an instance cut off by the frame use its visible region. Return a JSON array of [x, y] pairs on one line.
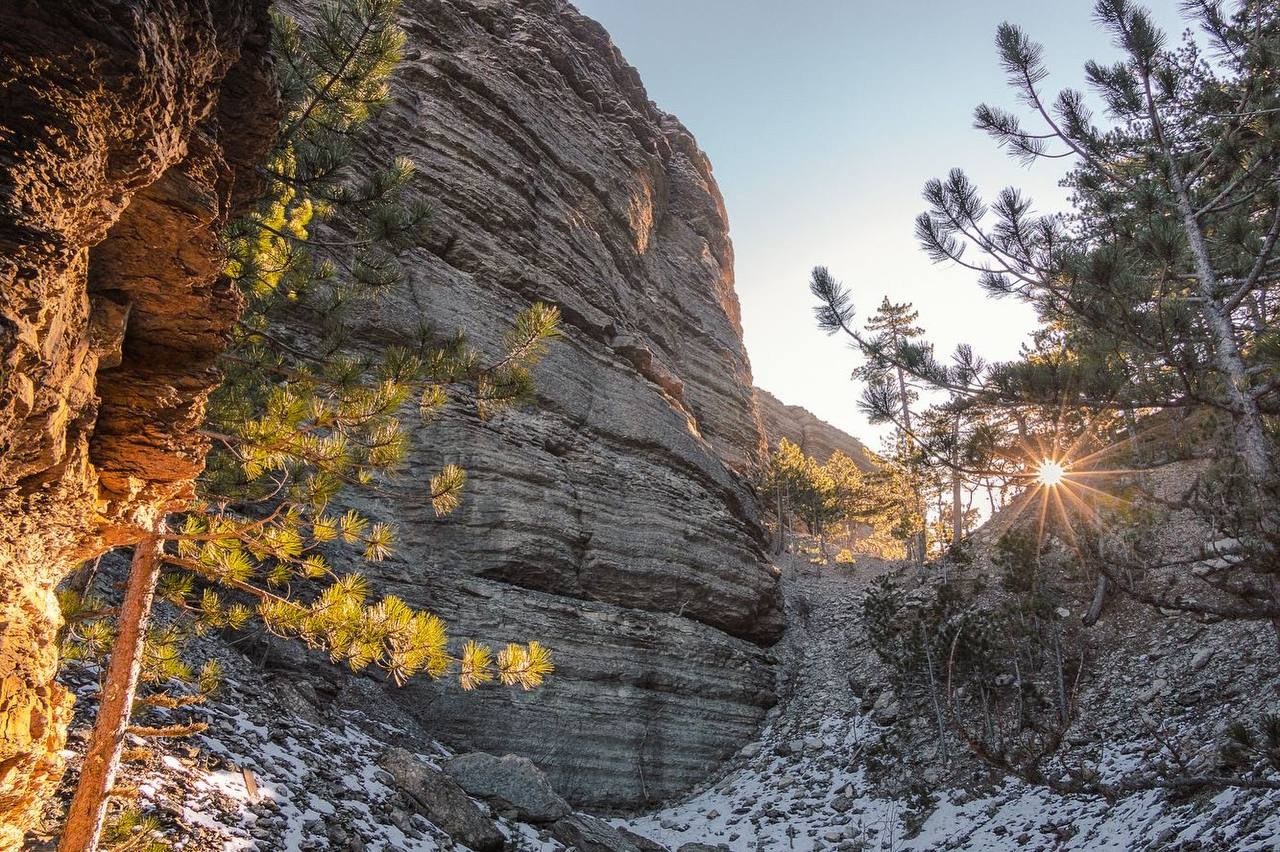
[[116, 175], [611, 519], [814, 437]]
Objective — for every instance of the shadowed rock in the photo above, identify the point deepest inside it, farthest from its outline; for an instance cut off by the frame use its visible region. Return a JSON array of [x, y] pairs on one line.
[[127, 130], [441, 801], [510, 783]]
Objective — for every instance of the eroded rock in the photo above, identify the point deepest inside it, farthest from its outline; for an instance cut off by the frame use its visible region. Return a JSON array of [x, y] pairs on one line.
[[117, 172], [613, 519]]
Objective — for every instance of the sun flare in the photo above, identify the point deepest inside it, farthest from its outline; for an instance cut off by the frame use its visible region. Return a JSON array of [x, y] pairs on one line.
[[1050, 472]]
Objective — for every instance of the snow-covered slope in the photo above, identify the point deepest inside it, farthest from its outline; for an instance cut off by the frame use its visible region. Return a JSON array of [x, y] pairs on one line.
[[289, 764], [806, 785]]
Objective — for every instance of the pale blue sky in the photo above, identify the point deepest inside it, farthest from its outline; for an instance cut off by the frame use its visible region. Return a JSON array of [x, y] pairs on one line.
[[823, 119]]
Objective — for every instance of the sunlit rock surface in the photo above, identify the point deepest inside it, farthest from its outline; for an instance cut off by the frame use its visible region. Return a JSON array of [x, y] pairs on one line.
[[814, 437], [125, 129]]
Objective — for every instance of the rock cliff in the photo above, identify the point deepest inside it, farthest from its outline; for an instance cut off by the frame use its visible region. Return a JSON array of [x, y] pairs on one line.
[[814, 437], [613, 518], [116, 175]]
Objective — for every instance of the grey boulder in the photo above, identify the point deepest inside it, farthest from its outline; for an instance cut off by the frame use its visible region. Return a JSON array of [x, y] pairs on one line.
[[510, 782], [589, 834], [441, 801]]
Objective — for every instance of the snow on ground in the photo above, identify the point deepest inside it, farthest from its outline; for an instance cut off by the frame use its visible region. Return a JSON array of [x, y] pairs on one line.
[[804, 785], [316, 782], [819, 799], [275, 773]]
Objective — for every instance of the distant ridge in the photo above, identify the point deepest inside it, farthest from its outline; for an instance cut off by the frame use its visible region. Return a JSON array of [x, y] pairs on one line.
[[800, 426]]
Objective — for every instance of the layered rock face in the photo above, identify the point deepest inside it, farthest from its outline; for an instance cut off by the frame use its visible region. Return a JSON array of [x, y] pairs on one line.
[[116, 176], [612, 519], [814, 437]]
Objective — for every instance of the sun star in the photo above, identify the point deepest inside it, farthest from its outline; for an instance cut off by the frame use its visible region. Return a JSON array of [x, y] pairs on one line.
[[1050, 472]]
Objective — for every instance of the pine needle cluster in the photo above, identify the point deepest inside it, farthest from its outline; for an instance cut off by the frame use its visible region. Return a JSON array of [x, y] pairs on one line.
[[302, 418]]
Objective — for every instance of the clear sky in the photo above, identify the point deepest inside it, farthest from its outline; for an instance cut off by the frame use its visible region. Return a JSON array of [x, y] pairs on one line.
[[823, 119]]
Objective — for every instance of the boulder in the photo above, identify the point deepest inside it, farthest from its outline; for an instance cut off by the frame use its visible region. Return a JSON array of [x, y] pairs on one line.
[[440, 800], [885, 711], [589, 834], [509, 782], [641, 842]]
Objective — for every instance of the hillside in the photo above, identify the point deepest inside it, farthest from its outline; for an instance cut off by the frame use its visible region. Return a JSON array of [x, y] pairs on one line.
[[814, 437]]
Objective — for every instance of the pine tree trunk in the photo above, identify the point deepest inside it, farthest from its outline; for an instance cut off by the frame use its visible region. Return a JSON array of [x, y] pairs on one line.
[[957, 504], [1250, 433], [957, 510], [921, 540], [1251, 443], [780, 540], [102, 760], [937, 706]]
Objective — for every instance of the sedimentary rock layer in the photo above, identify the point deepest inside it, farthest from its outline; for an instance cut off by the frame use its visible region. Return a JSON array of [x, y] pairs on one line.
[[116, 176], [613, 518], [816, 438]]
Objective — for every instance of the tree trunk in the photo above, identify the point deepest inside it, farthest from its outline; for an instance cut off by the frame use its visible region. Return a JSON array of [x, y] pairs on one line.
[[102, 760], [779, 536], [921, 539], [937, 707], [957, 504], [1251, 443]]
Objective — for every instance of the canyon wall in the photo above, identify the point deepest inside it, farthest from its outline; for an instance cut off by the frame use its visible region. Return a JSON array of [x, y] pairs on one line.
[[613, 518], [116, 177], [814, 437]]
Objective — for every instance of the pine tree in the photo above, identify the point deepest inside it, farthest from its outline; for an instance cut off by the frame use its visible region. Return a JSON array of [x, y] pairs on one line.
[[890, 390], [1160, 284], [299, 419], [1164, 278], [805, 488], [839, 493]]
